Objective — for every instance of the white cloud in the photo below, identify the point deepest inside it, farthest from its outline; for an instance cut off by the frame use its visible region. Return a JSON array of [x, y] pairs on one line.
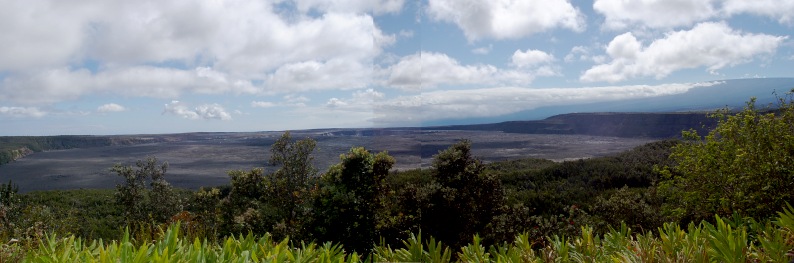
[[531, 57], [368, 95], [165, 48], [335, 103], [362, 100], [406, 33], [668, 14], [295, 100], [35, 34], [213, 111], [482, 50], [620, 14], [291, 100], [427, 70], [50, 86], [358, 6], [506, 19], [205, 111], [783, 11], [450, 104], [110, 107], [267, 44], [710, 45], [413, 71], [316, 75], [21, 112], [579, 53], [262, 104]]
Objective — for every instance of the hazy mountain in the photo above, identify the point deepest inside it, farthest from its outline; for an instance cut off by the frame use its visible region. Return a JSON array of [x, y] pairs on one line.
[[727, 93]]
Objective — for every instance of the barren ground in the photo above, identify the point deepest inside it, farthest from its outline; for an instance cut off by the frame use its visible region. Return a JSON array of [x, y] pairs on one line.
[[206, 160]]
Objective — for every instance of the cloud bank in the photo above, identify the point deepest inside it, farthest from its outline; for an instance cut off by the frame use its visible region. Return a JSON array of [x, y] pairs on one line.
[[710, 45], [205, 111]]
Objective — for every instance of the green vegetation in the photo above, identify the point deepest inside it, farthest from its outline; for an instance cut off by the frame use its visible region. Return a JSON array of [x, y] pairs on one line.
[[726, 188], [277, 202], [724, 241], [143, 205], [15, 147], [350, 197], [744, 166]]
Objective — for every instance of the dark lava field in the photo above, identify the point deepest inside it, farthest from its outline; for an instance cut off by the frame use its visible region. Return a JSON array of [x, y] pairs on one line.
[[197, 160]]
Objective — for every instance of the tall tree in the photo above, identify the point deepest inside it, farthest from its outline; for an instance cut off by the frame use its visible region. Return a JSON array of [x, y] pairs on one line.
[[349, 199], [245, 209], [142, 204], [276, 202], [462, 200], [288, 187]]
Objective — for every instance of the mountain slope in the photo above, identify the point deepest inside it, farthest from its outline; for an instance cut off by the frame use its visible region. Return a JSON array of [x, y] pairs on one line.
[[632, 125]]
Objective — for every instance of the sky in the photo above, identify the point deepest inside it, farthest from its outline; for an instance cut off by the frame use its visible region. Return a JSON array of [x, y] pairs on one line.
[[150, 66]]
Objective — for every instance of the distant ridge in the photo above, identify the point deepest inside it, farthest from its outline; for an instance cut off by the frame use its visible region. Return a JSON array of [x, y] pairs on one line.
[[731, 93], [617, 124]]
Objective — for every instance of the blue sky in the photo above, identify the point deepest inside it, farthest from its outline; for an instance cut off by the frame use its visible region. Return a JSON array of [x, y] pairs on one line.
[[130, 67]]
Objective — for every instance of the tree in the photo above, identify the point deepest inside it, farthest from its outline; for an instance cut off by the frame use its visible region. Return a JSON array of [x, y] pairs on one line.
[[288, 187], [350, 199], [276, 202], [141, 204], [244, 209], [205, 205], [745, 165], [462, 200], [10, 205]]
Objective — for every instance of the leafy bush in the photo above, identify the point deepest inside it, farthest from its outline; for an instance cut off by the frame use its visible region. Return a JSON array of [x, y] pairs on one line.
[[350, 198], [743, 166], [724, 241]]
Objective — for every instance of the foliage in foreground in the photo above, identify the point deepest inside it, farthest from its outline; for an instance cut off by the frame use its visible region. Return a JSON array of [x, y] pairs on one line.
[[727, 240], [742, 166]]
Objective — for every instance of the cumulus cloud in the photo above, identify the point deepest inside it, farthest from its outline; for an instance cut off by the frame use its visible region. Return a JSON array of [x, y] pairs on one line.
[[335, 103], [362, 100], [368, 95], [110, 107], [262, 104], [21, 112], [710, 45], [60, 84], [621, 14], [445, 104], [582, 53], [314, 75], [291, 100], [166, 48], [205, 111], [359, 6], [783, 11], [427, 70], [506, 19], [295, 100], [530, 57]]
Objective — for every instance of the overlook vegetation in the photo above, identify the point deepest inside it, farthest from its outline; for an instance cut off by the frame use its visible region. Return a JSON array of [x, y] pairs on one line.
[[721, 197], [12, 148]]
